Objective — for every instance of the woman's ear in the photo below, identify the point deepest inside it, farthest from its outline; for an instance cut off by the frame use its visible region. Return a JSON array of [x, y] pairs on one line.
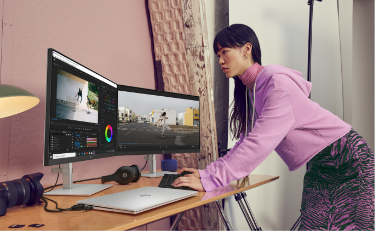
[[248, 48]]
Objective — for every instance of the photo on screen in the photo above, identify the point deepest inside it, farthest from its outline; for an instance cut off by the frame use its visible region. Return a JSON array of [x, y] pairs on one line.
[[76, 98], [151, 120]]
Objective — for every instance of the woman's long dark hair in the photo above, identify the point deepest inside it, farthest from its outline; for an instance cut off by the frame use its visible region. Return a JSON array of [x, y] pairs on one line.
[[236, 36]]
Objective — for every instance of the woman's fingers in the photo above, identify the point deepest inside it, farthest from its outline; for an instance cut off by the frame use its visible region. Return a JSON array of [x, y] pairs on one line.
[[192, 170], [189, 181]]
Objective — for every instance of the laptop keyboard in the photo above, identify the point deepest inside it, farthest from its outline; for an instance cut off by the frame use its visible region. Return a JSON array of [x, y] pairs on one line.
[[167, 180]]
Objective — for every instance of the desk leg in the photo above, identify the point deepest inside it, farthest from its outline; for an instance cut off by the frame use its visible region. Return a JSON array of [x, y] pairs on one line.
[[222, 215], [177, 221]]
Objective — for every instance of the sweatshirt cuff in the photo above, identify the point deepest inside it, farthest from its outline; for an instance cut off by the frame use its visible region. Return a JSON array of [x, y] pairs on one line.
[[203, 174], [208, 184]]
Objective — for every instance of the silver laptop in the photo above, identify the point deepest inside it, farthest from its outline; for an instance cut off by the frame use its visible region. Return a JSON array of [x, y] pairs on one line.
[[138, 200]]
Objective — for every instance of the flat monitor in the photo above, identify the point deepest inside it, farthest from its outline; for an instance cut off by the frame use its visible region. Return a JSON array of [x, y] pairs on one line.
[[156, 122], [81, 119]]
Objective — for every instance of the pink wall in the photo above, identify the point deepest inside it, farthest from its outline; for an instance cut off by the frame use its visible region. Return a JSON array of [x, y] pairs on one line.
[[109, 37]]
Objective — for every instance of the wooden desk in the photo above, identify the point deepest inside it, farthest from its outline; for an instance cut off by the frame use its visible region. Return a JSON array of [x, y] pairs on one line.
[[103, 220]]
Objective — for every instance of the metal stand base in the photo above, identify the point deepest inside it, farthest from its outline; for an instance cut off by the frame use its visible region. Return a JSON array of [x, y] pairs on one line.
[[70, 189], [79, 190], [157, 174]]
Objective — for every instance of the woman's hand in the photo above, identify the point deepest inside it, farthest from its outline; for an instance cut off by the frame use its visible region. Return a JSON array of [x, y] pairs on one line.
[[193, 171], [189, 180]]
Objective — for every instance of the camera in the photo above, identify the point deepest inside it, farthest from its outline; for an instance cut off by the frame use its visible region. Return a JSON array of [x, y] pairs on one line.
[[25, 191]]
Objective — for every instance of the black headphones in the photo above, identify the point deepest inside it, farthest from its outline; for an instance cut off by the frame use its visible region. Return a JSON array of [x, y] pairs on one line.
[[124, 175]]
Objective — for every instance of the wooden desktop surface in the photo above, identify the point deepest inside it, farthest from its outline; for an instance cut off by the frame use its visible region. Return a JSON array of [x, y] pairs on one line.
[[103, 220]]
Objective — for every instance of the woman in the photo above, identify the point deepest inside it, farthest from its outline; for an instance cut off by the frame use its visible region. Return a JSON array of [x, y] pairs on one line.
[[338, 188], [164, 123]]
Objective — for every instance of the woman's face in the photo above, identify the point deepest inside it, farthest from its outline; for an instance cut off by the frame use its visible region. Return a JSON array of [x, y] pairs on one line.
[[233, 61]]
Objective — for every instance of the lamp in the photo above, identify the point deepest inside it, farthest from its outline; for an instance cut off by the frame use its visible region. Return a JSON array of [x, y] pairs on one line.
[[14, 100]]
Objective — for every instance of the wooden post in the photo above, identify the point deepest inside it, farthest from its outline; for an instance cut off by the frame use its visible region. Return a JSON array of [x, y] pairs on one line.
[[180, 42], [199, 69]]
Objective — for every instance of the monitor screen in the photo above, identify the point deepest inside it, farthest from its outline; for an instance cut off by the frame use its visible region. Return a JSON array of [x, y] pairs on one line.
[[81, 112], [156, 122]]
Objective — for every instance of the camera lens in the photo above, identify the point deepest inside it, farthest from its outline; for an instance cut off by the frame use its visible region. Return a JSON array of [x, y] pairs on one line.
[[3, 201], [36, 189], [11, 193], [24, 191]]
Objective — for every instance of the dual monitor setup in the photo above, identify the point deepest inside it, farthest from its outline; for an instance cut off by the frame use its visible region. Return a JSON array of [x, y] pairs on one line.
[[90, 117]]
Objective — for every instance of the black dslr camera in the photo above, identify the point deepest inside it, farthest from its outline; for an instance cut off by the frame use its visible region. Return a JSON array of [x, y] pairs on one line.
[[25, 191]]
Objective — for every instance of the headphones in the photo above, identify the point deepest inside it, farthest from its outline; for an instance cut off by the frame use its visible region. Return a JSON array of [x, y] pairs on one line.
[[124, 175]]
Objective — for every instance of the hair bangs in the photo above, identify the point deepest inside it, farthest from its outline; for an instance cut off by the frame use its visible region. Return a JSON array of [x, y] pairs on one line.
[[224, 39]]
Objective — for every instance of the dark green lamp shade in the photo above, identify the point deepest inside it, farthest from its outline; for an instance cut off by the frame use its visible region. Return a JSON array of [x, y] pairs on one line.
[[14, 100]]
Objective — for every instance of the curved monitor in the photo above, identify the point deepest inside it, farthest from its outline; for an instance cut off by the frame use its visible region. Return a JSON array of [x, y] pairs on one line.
[[156, 122], [81, 112]]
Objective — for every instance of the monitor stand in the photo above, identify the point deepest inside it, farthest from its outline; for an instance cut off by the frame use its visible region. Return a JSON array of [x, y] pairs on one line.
[[152, 164], [70, 189]]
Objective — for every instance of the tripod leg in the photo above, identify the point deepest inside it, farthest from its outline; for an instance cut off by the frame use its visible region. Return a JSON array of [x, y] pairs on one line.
[[295, 226], [251, 214], [177, 221], [222, 215], [238, 198]]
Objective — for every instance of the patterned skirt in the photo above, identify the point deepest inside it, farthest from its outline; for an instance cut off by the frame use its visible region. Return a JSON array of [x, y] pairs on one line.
[[338, 190]]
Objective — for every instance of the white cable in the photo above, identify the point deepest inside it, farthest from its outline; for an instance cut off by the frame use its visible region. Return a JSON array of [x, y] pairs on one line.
[[246, 112], [252, 121]]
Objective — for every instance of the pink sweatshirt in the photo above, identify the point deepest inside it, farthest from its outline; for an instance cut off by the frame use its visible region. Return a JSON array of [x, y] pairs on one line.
[[289, 123]]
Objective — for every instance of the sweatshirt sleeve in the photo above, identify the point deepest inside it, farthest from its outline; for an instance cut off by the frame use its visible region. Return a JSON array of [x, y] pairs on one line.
[[275, 121], [203, 174]]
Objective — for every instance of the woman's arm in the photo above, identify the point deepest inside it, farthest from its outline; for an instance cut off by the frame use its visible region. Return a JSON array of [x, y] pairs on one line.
[[275, 121]]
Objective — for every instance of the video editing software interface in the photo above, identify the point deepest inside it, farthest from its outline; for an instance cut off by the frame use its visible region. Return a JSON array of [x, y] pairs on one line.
[[90, 117], [156, 122], [82, 113]]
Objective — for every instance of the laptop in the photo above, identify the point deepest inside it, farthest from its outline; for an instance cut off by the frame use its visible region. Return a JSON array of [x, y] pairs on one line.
[[138, 200]]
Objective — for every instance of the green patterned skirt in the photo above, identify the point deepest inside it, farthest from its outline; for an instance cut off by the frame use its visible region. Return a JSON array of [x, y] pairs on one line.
[[338, 192]]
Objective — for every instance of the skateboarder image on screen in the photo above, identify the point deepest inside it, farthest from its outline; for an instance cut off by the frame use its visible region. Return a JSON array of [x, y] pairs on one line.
[[164, 124], [79, 93], [88, 103]]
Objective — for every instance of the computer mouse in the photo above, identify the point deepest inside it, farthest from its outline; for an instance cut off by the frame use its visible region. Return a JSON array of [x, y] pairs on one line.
[[184, 173]]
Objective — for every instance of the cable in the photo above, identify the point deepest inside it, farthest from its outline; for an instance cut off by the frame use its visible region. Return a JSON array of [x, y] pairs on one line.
[[144, 166], [74, 207], [86, 180], [46, 203], [52, 187], [79, 207], [246, 111], [342, 77], [252, 120]]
